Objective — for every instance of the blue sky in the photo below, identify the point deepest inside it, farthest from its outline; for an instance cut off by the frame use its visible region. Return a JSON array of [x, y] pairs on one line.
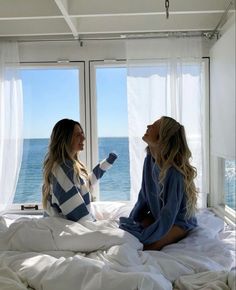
[[52, 94], [112, 102]]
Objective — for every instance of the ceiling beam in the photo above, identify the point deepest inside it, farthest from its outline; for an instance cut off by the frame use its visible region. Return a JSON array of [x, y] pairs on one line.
[[63, 6], [137, 7]]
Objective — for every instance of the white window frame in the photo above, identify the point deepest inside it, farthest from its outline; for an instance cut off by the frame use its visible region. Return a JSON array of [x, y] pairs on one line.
[[88, 119], [206, 122], [93, 120], [80, 65], [217, 196], [93, 101]]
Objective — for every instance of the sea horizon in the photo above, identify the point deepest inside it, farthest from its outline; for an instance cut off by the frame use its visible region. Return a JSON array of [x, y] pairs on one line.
[[114, 185]]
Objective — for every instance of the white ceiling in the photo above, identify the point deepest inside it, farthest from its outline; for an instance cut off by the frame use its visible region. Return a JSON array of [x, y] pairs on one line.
[[84, 18]]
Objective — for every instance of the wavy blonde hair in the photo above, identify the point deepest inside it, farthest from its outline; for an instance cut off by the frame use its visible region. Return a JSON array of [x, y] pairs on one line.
[[59, 150], [173, 150]]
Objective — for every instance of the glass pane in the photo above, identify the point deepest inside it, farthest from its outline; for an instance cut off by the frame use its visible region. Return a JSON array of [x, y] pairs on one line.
[[49, 95], [229, 184], [113, 131]]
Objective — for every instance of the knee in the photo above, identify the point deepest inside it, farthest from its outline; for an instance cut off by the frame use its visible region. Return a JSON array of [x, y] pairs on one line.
[[173, 236]]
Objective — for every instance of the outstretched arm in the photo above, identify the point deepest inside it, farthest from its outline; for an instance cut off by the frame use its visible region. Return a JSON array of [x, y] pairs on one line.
[[101, 168]]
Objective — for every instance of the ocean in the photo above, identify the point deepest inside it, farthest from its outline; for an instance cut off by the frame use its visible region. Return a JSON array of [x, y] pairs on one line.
[[114, 185], [230, 184]]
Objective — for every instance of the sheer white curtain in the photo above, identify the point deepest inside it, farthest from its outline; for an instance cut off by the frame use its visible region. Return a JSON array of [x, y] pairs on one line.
[[11, 115], [165, 77]]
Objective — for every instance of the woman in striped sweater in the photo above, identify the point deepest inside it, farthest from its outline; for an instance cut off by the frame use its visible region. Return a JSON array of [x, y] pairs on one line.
[[67, 186]]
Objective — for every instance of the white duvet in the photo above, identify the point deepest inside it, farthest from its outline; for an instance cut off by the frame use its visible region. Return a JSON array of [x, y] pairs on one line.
[[57, 254]]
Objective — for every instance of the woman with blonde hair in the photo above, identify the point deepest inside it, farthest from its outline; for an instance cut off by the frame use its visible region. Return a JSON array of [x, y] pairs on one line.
[[165, 210], [67, 186]]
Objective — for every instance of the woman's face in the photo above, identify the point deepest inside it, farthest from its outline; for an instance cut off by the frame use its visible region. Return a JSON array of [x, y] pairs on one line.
[[152, 133], [77, 141]]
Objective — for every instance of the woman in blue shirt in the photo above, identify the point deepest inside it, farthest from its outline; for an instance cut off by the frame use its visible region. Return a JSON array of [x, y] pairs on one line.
[[67, 185], [165, 210]]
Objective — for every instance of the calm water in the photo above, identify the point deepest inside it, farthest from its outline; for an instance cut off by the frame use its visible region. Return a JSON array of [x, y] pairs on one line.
[[114, 185]]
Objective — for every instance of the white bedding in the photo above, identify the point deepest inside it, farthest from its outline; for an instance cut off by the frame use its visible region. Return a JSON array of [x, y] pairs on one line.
[[53, 253]]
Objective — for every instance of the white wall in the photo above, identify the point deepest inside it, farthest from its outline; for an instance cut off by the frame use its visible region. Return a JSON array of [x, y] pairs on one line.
[[91, 50], [71, 50], [222, 93]]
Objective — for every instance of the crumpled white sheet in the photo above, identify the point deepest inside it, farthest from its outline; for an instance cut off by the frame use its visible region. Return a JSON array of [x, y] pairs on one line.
[[46, 272], [209, 280], [9, 280], [53, 233], [53, 253]]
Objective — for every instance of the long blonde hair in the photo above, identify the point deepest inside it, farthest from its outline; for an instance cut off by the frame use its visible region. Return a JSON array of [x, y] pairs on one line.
[[58, 153], [173, 150]]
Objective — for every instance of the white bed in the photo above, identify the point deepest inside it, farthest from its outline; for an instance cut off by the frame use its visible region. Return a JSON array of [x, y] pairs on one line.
[[56, 254]]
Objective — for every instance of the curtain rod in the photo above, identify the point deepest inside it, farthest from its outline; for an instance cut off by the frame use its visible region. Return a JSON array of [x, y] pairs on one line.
[[215, 32], [124, 36]]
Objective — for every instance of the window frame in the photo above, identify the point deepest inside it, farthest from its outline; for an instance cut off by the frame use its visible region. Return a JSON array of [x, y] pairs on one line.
[[217, 196], [206, 122], [88, 119], [80, 65], [93, 64], [93, 120]]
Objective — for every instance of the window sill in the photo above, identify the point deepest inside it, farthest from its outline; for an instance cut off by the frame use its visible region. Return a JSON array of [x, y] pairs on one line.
[[25, 209], [37, 209], [226, 213]]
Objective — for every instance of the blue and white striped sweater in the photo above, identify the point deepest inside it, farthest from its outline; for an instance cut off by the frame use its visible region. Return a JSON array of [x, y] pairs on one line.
[[70, 194]]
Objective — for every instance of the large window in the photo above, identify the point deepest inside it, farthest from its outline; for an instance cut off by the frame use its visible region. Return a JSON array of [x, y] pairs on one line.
[[112, 129], [54, 92], [109, 117], [50, 93]]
